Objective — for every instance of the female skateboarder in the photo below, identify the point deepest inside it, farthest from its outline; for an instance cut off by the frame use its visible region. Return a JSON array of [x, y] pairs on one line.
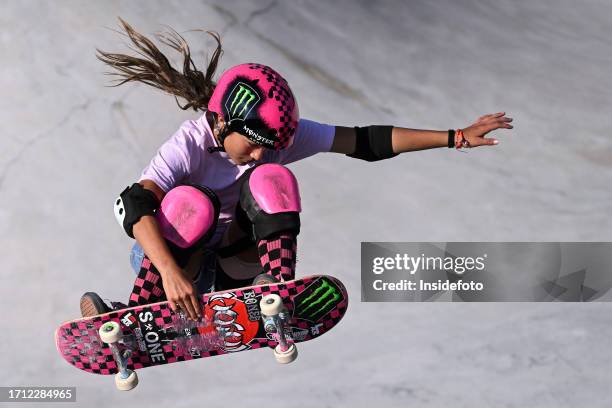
[[216, 208]]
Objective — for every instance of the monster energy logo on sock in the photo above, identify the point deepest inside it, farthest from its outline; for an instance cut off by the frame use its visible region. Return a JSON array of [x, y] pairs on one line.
[[241, 101], [318, 300]]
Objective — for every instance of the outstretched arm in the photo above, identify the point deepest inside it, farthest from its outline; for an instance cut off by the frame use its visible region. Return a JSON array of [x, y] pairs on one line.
[[407, 140]]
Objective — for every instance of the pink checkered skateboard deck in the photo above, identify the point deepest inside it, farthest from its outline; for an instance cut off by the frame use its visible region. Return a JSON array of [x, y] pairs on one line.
[[232, 321]]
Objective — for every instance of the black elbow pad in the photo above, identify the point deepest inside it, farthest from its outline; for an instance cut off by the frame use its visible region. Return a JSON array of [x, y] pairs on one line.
[[373, 143], [132, 204]]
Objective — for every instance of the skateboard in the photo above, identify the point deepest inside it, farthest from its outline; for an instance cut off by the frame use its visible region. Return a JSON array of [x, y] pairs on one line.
[[275, 315]]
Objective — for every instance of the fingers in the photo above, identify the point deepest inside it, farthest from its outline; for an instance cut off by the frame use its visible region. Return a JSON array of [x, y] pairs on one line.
[[501, 119], [186, 300], [187, 305], [493, 116], [182, 295], [489, 118], [190, 305], [195, 302], [175, 305], [494, 121]]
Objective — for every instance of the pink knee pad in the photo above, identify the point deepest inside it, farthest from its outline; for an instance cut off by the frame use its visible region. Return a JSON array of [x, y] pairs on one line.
[[186, 214], [275, 189], [270, 198]]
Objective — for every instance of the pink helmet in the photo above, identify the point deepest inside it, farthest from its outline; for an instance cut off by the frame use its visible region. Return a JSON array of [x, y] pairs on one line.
[[255, 101]]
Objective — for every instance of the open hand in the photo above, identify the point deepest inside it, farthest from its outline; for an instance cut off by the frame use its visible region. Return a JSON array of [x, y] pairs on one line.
[[475, 133]]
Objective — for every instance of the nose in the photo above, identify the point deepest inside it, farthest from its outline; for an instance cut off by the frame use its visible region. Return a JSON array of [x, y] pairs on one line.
[[257, 153]]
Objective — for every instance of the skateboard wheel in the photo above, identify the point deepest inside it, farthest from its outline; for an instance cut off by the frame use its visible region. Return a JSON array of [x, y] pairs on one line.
[[126, 384], [287, 356], [271, 305], [110, 332]]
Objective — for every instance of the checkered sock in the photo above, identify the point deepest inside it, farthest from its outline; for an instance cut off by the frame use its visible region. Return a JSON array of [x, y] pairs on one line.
[[278, 255], [148, 285]]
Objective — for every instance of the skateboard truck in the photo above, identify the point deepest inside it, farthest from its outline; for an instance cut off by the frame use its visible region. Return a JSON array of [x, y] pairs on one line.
[[276, 322], [125, 379]]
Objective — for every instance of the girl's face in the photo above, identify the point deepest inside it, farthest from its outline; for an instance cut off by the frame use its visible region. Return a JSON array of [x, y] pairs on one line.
[[238, 147], [241, 150]]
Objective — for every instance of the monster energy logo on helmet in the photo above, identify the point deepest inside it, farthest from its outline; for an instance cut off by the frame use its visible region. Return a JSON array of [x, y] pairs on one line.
[[240, 103], [320, 298]]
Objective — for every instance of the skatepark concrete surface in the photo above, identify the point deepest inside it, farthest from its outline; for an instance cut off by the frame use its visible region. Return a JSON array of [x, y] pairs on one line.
[[69, 145]]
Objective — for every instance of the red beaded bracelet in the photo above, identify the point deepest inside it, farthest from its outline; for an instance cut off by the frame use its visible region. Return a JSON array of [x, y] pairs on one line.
[[460, 140]]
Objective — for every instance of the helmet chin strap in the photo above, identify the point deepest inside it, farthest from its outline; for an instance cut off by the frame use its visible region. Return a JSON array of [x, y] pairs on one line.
[[218, 133]]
